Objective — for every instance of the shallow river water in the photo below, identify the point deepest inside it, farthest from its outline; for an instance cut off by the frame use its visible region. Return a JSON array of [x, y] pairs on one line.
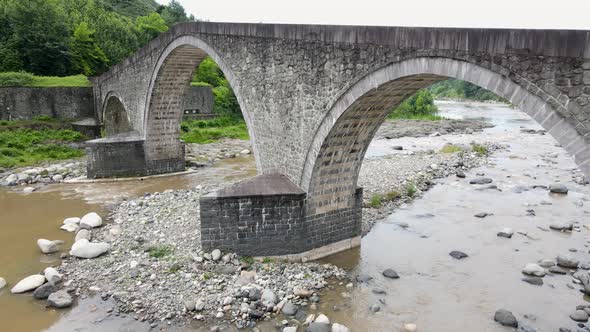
[[435, 291]]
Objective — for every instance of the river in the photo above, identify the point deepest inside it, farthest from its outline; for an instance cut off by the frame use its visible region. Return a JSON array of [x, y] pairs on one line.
[[434, 291]]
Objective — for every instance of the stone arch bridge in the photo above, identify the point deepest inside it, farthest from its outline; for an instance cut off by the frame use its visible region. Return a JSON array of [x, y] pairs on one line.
[[313, 98]]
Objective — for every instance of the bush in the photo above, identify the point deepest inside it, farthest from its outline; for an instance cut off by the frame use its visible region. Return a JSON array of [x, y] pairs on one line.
[[376, 201], [411, 189], [479, 149], [16, 79], [207, 131], [160, 251], [419, 106]]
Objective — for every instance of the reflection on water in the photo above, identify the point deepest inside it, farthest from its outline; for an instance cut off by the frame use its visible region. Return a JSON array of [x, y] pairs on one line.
[[26, 218]]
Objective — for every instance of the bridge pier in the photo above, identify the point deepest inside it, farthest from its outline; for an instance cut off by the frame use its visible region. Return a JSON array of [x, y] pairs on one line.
[[124, 155], [268, 216]]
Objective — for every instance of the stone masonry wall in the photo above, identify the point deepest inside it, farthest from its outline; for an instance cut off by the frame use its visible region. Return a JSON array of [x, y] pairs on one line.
[[287, 77], [22, 103]]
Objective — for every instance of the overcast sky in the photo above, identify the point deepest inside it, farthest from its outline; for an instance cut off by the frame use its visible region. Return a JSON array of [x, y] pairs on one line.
[[541, 14]]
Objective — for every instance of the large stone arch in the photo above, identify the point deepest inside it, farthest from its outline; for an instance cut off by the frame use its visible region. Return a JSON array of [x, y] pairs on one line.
[[335, 156], [170, 76], [114, 116]]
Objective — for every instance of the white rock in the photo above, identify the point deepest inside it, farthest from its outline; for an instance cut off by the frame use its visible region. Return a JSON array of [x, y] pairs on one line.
[[133, 264], [11, 180], [72, 220], [228, 300], [28, 190], [83, 234], [2, 282], [410, 327], [52, 275], [91, 220], [57, 178], [216, 254], [534, 270], [47, 246], [85, 249], [321, 318], [339, 328], [245, 151], [69, 227], [199, 305], [115, 230], [28, 284]]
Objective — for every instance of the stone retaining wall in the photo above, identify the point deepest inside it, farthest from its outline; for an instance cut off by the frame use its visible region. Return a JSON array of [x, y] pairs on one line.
[[23, 103]]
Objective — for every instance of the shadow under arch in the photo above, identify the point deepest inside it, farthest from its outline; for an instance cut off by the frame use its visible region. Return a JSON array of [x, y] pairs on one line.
[[163, 109], [335, 156], [114, 116]]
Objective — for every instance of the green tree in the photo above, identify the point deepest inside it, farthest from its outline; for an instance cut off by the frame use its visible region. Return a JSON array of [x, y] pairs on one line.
[[41, 36], [87, 57], [421, 103], [209, 72], [149, 27], [173, 13]]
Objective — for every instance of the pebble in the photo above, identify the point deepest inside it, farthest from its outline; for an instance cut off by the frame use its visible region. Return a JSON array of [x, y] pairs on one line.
[[91, 220], [375, 308], [83, 234], [557, 270], [458, 254], [60, 299], [216, 255], [505, 318], [506, 232], [2, 282], [558, 188], [321, 318], [480, 180], [562, 226], [318, 327], [28, 190], [85, 249], [52, 275], [339, 328], [389, 273], [481, 214], [43, 291], [567, 262], [47, 246], [533, 280], [409, 327], [28, 284], [534, 269], [579, 316]]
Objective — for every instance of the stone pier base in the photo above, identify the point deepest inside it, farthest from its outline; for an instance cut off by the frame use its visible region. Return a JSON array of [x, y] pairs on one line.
[[124, 156], [267, 216]]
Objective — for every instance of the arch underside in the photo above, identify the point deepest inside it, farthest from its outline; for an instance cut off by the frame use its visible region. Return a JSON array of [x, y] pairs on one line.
[[165, 107], [115, 118], [335, 157], [340, 158]]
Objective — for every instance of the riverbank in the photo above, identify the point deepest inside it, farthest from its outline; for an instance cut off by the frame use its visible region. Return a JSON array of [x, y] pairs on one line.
[[157, 272]]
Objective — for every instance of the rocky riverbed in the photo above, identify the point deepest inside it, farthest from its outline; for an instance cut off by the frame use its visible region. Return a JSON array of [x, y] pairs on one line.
[[157, 272]]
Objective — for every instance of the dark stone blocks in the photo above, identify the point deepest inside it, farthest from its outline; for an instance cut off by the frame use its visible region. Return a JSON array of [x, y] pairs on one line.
[[266, 216]]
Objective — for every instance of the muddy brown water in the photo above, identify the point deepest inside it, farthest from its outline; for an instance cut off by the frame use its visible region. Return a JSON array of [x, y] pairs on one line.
[[435, 291], [24, 218]]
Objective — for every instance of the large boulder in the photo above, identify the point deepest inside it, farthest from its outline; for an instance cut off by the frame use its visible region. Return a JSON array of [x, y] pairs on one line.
[[48, 246], [86, 249], [28, 284], [60, 299], [90, 220]]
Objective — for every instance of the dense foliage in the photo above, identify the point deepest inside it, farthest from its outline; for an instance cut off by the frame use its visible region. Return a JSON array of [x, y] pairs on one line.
[[29, 142], [65, 37], [457, 89], [26, 79], [209, 73], [418, 106], [207, 131]]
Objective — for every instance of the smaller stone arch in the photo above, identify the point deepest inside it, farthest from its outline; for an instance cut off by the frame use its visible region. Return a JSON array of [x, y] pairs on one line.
[[114, 117]]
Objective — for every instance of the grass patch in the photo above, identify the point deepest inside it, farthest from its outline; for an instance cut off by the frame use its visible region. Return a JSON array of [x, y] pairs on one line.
[[25, 143], [451, 148], [201, 84], [26, 79], [393, 195], [376, 201], [479, 149], [247, 259], [411, 189], [206, 276], [160, 251], [208, 131], [421, 117], [267, 260]]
